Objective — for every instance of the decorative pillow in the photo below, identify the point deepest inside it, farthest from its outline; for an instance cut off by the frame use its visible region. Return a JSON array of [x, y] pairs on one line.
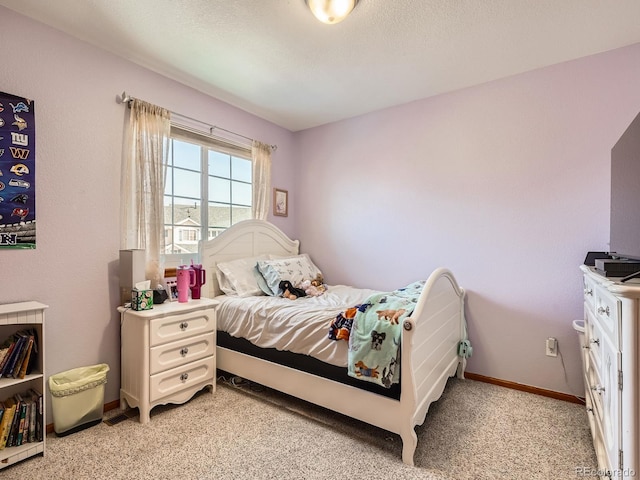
[[237, 278], [262, 283], [294, 269]]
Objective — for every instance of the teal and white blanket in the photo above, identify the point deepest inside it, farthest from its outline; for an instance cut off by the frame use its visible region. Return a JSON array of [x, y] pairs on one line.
[[374, 340]]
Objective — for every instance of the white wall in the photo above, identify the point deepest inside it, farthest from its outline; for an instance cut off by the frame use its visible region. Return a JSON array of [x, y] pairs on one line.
[[506, 183], [79, 135]]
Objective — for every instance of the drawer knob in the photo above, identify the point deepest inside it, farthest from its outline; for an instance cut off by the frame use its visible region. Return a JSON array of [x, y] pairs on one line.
[[598, 389], [184, 325], [589, 410], [595, 340], [184, 377], [603, 310], [588, 292], [184, 351]]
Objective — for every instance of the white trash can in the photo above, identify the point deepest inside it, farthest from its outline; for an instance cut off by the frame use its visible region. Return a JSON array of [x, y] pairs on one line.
[[77, 398]]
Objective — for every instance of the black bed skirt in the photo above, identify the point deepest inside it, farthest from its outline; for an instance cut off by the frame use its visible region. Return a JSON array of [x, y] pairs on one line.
[[304, 363]]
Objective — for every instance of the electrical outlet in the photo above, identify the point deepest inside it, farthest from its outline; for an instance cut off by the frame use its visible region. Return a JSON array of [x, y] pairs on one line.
[[552, 347]]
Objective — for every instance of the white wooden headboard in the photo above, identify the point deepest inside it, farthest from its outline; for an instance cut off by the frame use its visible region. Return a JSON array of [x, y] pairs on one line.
[[244, 239]]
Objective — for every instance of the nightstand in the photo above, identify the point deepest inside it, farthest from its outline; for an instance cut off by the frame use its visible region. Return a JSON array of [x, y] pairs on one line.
[[167, 353]]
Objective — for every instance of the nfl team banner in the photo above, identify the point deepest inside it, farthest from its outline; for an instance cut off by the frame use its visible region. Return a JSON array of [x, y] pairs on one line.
[[17, 172]]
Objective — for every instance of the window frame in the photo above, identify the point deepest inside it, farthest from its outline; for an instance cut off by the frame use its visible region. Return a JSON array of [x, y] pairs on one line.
[[207, 143]]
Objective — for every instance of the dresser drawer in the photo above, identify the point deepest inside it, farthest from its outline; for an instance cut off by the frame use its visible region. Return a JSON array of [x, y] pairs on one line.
[[177, 327], [593, 339], [174, 354], [607, 311], [589, 288], [595, 393], [180, 378]]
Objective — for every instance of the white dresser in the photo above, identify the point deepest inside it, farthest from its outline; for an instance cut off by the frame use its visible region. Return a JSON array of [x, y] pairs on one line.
[[167, 353], [612, 370]]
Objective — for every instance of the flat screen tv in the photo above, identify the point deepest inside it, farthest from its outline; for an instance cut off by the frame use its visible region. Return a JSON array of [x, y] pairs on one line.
[[625, 194]]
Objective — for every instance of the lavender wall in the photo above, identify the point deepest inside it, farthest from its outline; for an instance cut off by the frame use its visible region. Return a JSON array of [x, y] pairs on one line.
[[74, 268], [506, 184]]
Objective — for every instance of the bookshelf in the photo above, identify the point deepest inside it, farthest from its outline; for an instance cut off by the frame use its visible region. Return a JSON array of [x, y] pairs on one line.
[[17, 317]]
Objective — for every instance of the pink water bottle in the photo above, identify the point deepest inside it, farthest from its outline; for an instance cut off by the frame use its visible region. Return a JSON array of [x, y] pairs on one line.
[[185, 279]]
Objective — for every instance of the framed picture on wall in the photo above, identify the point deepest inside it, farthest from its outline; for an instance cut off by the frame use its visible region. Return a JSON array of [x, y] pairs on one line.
[[280, 202]]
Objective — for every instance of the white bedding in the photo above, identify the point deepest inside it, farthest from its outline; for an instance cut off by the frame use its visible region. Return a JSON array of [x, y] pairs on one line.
[[299, 326]]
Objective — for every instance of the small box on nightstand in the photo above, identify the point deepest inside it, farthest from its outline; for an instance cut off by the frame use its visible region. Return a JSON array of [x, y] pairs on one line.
[[141, 299]]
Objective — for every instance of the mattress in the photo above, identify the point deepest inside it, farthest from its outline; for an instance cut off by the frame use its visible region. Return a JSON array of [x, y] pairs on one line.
[[298, 326]]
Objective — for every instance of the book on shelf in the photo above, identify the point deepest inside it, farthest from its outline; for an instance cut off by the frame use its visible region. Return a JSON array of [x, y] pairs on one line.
[[27, 420], [22, 353], [7, 421], [7, 356], [13, 358], [32, 416], [22, 419], [3, 352], [15, 425], [37, 415], [19, 429], [19, 358], [33, 356], [22, 371]]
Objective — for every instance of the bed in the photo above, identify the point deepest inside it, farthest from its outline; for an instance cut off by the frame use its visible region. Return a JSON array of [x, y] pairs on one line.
[[433, 345]]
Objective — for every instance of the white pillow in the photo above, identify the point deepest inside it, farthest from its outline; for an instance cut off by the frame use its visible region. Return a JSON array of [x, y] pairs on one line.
[[294, 269], [237, 277]]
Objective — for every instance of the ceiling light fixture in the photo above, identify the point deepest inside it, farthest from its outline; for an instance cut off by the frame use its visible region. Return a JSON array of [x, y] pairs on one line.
[[331, 11]]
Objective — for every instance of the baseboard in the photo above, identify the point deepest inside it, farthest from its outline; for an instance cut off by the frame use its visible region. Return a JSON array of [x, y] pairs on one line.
[[525, 388], [107, 407]]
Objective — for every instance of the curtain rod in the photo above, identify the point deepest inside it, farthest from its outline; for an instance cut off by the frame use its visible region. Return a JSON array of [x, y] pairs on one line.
[[126, 98]]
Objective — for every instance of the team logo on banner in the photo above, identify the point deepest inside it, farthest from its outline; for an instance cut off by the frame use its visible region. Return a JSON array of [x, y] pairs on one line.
[[18, 185]]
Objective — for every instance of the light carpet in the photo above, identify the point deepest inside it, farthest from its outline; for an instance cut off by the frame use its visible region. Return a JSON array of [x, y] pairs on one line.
[[475, 431]]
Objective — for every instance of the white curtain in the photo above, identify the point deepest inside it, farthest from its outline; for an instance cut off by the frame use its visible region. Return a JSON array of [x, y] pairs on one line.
[[261, 156], [142, 184]]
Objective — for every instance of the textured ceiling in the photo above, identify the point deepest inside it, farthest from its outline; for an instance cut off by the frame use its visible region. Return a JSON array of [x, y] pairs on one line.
[[274, 59]]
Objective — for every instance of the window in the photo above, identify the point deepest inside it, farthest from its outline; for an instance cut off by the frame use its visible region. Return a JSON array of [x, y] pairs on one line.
[[207, 189]]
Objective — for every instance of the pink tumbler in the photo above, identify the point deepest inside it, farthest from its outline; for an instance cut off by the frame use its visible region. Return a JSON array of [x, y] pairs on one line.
[[185, 279]]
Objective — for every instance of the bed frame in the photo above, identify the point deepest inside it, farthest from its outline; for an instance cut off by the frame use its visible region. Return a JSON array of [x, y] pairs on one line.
[[429, 354]]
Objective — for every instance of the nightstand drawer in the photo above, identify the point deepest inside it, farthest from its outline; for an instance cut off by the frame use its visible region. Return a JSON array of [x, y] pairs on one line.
[[174, 354], [176, 327], [181, 378]]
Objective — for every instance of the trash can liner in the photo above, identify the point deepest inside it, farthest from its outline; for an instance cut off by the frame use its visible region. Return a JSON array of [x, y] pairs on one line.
[[78, 380]]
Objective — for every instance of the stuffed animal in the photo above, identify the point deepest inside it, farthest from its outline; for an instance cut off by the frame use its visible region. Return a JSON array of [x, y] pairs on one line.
[[314, 287], [289, 291]]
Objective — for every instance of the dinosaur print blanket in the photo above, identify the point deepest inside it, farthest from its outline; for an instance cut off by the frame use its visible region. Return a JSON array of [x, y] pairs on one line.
[[375, 332]]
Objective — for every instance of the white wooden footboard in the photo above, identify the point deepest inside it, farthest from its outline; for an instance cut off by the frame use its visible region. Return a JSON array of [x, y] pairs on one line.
[[429, 355]]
